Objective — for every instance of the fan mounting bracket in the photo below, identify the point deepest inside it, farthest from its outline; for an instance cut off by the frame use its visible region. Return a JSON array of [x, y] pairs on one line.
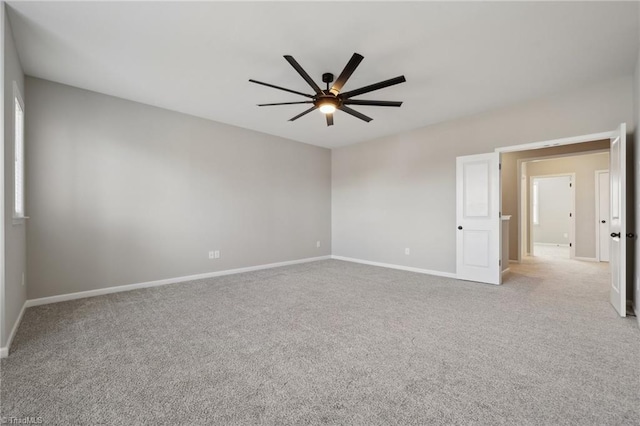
[[327, 77]]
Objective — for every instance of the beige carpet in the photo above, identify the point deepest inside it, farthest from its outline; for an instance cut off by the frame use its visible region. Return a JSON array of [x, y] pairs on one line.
[[334, 343]]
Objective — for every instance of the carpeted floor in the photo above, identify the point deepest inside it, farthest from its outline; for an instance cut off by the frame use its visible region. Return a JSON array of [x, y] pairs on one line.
[[557, 251], [336, 343]]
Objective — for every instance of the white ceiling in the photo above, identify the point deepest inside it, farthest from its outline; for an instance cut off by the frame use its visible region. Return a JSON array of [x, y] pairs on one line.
[[196, 58]]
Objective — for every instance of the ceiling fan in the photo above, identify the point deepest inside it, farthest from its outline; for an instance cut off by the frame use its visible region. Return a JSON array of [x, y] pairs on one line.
[[332, 99]]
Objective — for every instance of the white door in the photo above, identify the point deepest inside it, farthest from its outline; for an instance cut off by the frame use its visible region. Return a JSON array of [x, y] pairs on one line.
[[478, 254], [603, 215], [617, 227]]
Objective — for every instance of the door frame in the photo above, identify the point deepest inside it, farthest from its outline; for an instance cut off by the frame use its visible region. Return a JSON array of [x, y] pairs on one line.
[[523, 213], [2, 215], [557, 142], [572, 218], [597, 191]]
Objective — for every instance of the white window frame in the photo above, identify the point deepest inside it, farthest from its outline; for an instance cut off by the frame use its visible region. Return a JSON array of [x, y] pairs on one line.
[[18, 159]]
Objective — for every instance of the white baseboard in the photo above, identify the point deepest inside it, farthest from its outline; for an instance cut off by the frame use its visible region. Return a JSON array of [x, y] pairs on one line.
[[400, 267], [513, 261], [4, 351], [551, 244], [585, 259], [504, 271], [129, 287]]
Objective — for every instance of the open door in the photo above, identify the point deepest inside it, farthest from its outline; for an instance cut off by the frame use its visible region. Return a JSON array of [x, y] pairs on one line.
[[617, 223], [478, 254]]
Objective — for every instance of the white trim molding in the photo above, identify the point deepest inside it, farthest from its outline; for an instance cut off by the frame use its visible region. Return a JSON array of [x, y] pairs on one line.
[[586, 259], [4, 351], [557, 142], [157, 283], [400, 267]]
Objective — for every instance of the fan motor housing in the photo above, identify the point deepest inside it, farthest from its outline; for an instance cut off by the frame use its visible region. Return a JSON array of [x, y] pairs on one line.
[[327, 99]]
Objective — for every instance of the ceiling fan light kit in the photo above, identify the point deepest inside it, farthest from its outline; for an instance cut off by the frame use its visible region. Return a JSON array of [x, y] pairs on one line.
[[332, 99]]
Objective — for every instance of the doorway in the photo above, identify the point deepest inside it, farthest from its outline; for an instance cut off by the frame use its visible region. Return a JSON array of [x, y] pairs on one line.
[[486, 223], [552, 206], [578, 162], [590, 241]]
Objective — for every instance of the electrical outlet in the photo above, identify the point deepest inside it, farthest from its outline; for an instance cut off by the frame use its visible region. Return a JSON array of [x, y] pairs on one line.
[[318, 244], [407, 251], [216, 254], [211, 255]]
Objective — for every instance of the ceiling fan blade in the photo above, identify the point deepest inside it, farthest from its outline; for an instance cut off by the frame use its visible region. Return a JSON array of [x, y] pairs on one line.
[[287, 103], [281, 88], [303, 74], [303, 113], [329, 119], [372, 87], [371, 103], [346, 73], [355, 113]]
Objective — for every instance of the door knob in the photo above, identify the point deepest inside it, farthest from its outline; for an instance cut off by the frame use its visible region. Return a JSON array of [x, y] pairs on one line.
[[614, 234], [603, 221], [459, 227], [631, 235]]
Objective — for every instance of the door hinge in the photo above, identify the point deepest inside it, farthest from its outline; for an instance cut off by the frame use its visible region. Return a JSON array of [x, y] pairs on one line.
[[499, 262], [570, 244], [499, 166], [570, 214], [570, 185]]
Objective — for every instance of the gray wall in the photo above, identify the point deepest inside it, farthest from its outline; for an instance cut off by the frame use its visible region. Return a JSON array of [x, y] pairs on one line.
[[511, 181], [554, 206], [584, 167], [399, 191], [121, 193], [15, 245]]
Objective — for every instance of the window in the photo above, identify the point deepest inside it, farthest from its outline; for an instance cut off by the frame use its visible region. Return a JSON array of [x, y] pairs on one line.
[[535, 205], [18, 165]]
